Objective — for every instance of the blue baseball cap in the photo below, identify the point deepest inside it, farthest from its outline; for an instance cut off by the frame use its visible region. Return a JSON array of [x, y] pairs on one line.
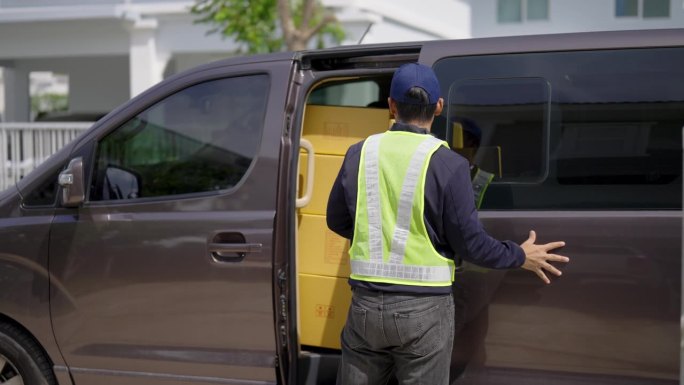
[[414, 75]]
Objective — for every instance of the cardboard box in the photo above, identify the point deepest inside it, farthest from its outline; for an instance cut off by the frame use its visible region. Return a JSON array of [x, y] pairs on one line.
[[326, 168], [321, 252], [332, 129], [323, 306]]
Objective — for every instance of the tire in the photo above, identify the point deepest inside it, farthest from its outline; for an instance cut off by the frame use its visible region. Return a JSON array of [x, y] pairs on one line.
[[22, 360]]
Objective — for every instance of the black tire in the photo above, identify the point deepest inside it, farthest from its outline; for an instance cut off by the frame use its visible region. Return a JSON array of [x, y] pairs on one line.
[[22, 357]]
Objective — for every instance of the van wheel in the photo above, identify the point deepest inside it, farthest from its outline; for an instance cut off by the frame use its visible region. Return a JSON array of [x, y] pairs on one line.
[[22, 361]]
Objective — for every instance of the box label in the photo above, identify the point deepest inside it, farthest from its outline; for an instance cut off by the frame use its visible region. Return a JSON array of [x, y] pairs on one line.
[[336, 249], [336, 129], [325, 311]]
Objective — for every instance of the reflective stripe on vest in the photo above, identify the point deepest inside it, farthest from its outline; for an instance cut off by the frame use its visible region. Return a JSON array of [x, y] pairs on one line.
[[394, 268], [372, 170], [408, 189]]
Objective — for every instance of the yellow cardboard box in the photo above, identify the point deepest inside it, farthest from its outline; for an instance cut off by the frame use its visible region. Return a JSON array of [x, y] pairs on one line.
[[332, 129], [321, 251], [323, 306], [326, 168]]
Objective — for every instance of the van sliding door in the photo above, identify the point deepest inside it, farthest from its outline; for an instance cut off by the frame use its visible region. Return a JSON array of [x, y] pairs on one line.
[[585, 146]]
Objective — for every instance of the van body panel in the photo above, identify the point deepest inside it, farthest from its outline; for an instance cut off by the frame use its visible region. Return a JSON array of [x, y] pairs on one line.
[[145, 298], [614, 312], [103, 377], [24, 269]]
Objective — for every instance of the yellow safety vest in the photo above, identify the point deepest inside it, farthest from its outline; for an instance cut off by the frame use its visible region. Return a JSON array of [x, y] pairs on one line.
[[391, 243]]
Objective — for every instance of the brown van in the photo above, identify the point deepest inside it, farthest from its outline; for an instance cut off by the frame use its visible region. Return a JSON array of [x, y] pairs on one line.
[[182, 239]]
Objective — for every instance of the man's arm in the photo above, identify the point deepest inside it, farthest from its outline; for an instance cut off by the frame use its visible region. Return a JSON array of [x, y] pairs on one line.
[[465, 233], [468, 238], [338, 217]]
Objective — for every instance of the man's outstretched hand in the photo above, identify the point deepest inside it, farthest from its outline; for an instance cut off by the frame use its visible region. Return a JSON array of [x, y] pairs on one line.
[[537, 257]]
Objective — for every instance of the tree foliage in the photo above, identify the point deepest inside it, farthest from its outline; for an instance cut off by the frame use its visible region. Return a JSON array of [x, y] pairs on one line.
[[263, 26]]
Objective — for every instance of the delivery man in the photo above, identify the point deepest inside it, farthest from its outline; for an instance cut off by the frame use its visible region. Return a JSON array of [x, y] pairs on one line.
[[406, 202]]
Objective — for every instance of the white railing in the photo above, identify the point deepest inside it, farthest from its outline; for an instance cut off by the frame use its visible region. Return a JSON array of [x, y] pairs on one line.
[[23, 146]]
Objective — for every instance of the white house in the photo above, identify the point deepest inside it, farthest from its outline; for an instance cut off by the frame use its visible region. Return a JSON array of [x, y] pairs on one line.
[[114, 49]]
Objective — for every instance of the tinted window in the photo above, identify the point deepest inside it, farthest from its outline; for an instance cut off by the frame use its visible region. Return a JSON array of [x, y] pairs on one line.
[[203, 138], [513, 114], [614, 126]]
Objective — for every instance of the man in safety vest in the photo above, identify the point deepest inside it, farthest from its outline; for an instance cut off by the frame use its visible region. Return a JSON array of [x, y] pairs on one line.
[[406, 202]]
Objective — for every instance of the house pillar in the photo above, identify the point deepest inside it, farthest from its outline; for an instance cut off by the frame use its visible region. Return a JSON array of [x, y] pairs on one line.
[[17, 99], [147, 62]]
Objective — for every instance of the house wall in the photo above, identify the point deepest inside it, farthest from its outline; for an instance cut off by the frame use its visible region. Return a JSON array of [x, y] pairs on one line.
[[569, 16], [179, 34], [62, 39], [402, 20], [98, 84]]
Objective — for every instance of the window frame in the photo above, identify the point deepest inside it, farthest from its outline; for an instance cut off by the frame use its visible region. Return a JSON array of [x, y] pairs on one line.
[[546, 129], [641, 11]]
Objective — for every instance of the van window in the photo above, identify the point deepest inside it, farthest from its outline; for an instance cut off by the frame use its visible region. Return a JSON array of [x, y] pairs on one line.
[[513, 114], [614, 126], [203, 138], [352, 93]]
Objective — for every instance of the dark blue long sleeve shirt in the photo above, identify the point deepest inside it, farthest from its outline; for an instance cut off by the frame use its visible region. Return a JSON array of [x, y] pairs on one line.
[[450, 216]]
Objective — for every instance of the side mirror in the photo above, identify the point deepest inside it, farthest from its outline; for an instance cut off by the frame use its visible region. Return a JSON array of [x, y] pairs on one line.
[[71, 181]]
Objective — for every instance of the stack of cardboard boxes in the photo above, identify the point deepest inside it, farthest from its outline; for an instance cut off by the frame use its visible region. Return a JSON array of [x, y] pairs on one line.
[[322, 256]]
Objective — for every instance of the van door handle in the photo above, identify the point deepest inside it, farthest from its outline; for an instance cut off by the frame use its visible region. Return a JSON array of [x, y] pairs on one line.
[[232, 252], [304, 200]]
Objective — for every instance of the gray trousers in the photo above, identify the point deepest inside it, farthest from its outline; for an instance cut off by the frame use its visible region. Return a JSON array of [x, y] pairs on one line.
[[407, 335]]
